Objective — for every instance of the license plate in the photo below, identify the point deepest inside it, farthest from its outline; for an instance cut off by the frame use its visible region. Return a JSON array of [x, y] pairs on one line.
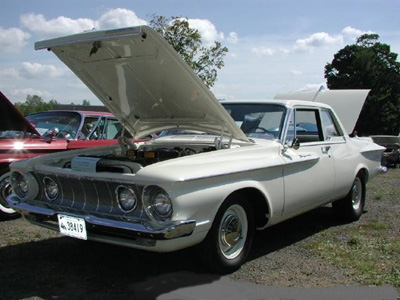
[[71, 226]]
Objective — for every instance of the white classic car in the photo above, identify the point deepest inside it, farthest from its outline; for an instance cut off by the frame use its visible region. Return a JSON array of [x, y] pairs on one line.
[[260, 163]]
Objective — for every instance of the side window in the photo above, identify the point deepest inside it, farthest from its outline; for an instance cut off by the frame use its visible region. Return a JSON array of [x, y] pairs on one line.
[[112, 129], [328, 125], [88, 125], [307, 126]]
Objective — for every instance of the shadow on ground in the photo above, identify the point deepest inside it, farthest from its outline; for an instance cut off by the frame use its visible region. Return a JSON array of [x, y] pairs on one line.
[[65, 268]]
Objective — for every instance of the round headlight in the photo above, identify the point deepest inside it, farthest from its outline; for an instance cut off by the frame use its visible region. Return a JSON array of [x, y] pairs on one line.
[[162, 205], [19, 184], [126, 198], [51, 189], [158, 205]]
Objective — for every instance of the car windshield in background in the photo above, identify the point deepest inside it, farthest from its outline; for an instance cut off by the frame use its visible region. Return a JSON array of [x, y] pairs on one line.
[[257, 120], [62, 124]]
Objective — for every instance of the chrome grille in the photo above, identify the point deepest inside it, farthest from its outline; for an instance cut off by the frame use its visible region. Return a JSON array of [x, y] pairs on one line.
[[87, 195]]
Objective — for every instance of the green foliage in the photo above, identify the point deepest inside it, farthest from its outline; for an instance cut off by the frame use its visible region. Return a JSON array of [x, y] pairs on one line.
[[35, 104], [369, 64], [188, 43]]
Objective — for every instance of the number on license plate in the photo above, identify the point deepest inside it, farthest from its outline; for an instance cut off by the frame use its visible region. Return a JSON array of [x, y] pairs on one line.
[[71, 226]]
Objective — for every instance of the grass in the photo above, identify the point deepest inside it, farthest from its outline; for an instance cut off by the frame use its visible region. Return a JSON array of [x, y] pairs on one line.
[[374, 260], [370, 248]]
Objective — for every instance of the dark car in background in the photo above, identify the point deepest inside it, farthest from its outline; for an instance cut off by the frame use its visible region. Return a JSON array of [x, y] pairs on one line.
[[391, 156], [46, 132]]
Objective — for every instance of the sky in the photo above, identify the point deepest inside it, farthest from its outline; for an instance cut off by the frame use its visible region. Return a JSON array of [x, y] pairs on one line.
[[275, 46]]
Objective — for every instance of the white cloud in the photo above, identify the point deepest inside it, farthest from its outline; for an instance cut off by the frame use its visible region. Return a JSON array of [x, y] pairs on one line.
[[10, 73], [207, 30], [317, 40], [61, 25], [22, 93], [119, 17], [28, 70], [263, 51], [284, 50], [353, 33], [37, 23], [13, 39], [296, 72], [233, 38], [37, 70]]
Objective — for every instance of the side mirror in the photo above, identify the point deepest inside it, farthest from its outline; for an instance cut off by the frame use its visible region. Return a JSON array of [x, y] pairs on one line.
[[50, 135], [295, 144], [53, 132]]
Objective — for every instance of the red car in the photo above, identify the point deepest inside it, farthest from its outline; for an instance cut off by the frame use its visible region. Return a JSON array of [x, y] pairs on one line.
[[45, 132]]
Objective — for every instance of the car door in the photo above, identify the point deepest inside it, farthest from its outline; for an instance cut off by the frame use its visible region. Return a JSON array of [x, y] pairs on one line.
[[344, 159], [309, 173]]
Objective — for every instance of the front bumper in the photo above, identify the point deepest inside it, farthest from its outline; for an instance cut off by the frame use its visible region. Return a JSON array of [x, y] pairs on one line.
[[115, 231]]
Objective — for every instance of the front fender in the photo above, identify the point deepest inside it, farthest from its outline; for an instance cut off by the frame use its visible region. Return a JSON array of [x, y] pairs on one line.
[[201, 199]]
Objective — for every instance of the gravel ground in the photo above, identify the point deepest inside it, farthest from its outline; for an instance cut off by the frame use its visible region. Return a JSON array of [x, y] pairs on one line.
[[36, 263]]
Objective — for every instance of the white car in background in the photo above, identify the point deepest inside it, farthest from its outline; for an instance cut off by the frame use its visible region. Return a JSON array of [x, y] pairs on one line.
[[256, 167]]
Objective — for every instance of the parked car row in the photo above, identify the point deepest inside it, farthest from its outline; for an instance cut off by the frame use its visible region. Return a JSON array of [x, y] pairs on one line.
[[238, 167], [47, 132]]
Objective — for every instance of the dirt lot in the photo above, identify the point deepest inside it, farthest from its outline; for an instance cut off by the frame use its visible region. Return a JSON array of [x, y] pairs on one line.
[[312, 250]]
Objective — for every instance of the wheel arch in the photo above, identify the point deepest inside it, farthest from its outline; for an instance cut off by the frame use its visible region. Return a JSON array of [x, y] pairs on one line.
[[363, 172], [258, 202]]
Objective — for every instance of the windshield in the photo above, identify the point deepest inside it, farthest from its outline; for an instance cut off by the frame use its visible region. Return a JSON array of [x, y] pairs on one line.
[[258, 120], [262, 121], [64, 124]]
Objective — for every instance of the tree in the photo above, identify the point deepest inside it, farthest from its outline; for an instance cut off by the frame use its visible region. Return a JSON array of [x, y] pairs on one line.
[[85, 102], [35, 104], [188, 43], [369, 64]]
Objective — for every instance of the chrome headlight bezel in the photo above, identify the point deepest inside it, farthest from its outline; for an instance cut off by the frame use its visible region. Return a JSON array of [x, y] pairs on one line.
[[157, 204], [133, 201], [47, 182], [24, 185]]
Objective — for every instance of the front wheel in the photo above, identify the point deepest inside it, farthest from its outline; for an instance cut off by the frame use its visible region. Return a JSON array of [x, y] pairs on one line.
[[6, 212], [351, 207], [229, 240]]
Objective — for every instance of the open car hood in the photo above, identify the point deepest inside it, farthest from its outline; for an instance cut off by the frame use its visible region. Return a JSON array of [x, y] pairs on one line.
[[346, 103], [12, 119], [143, 81]]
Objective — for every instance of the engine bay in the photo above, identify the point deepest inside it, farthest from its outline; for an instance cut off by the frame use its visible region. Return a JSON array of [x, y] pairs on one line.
[[132, 161]]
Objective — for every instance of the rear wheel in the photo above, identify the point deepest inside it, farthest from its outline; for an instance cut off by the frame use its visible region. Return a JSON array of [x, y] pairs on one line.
[[351, 207], [229, 240], [6, 212]]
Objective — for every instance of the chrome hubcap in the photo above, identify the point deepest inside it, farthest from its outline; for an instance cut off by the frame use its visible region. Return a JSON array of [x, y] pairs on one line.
[[356, 194], [233, 231]]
